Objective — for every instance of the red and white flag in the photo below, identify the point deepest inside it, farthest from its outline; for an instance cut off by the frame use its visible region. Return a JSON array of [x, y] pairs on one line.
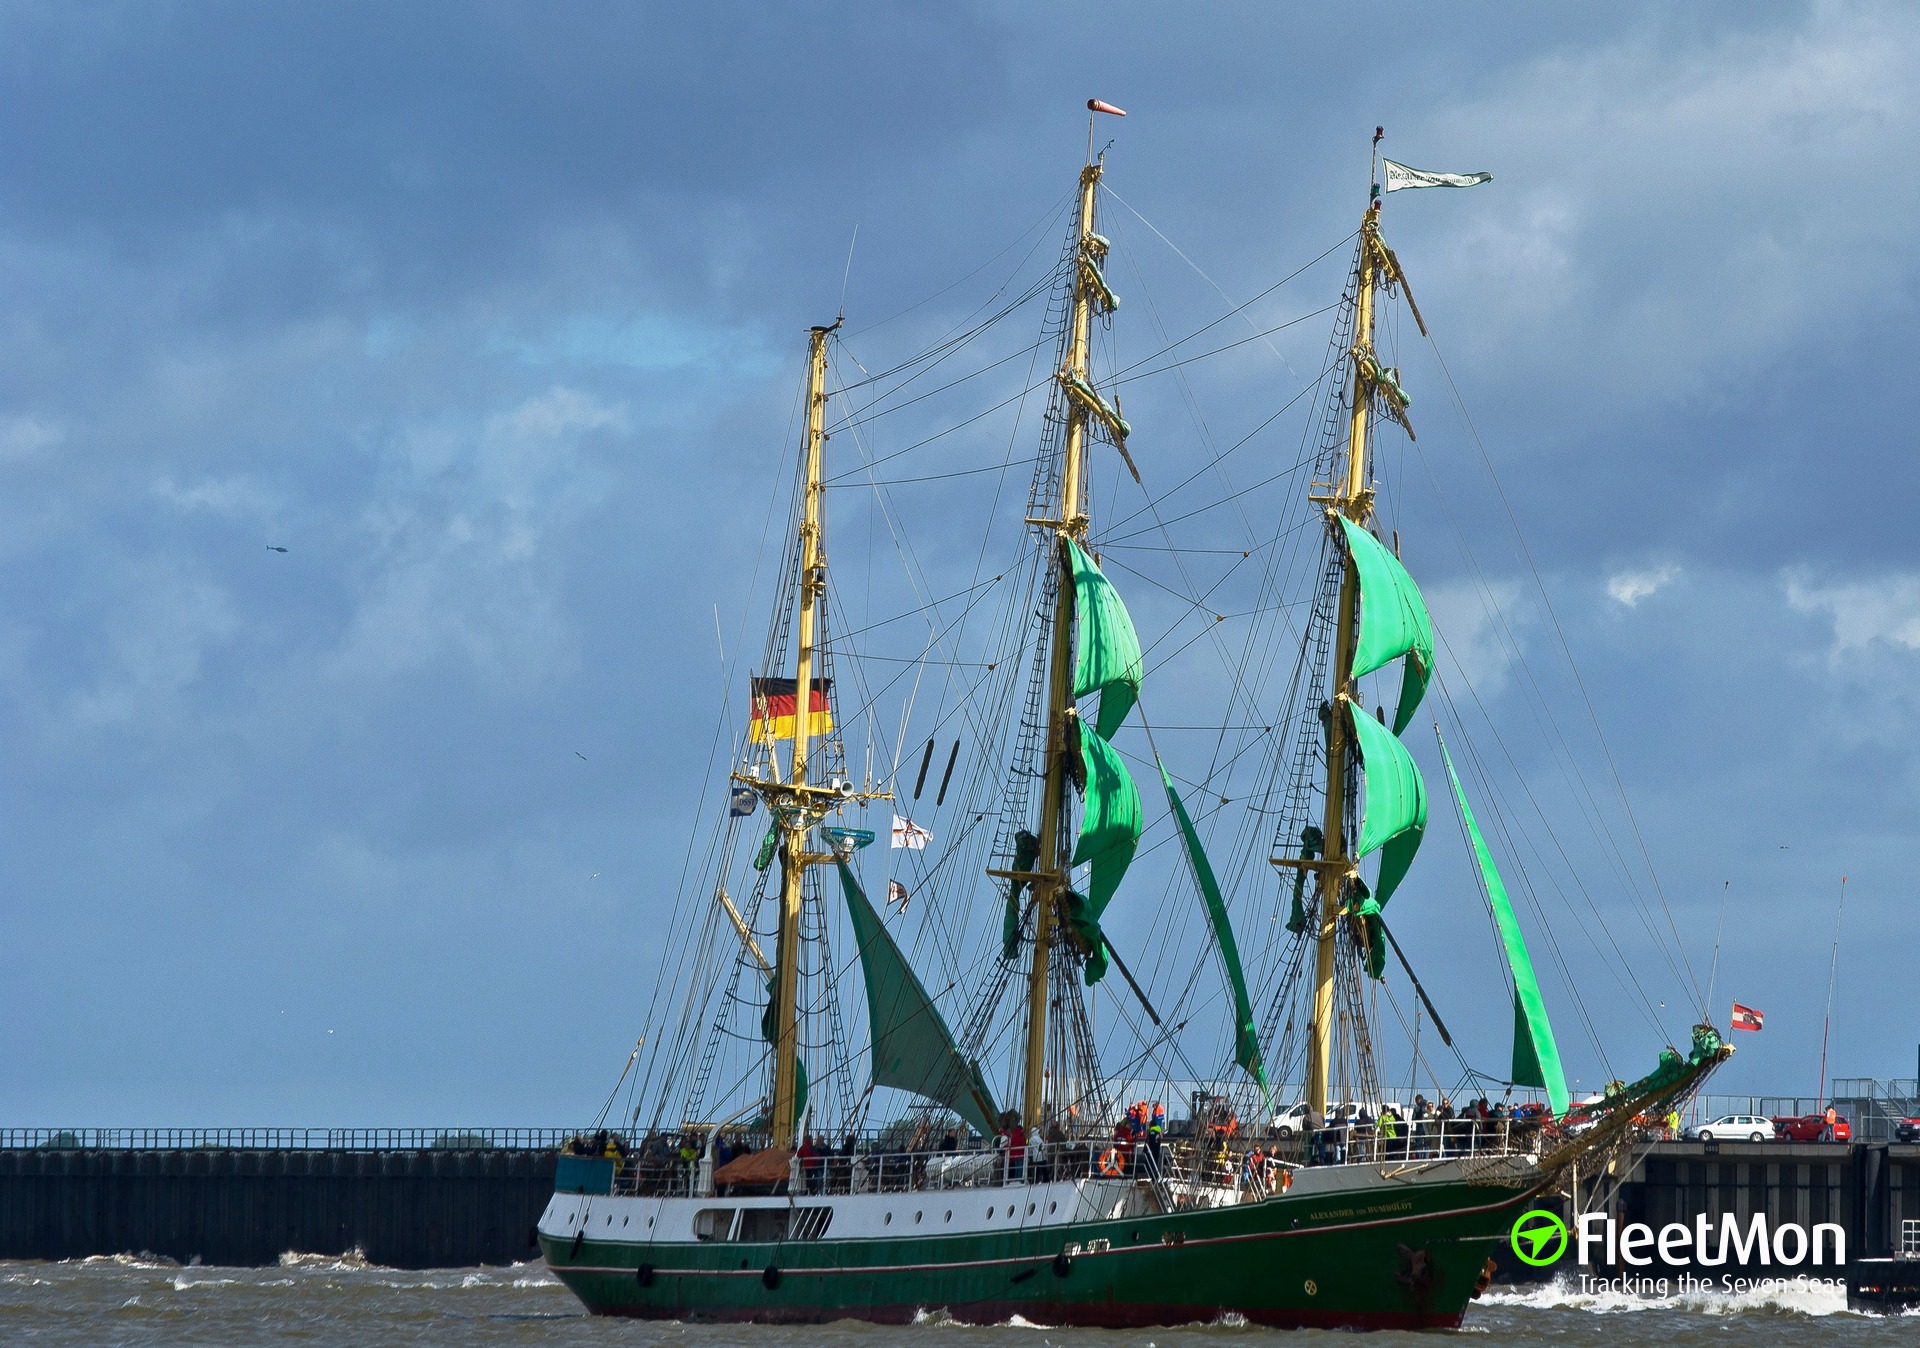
[[906, 833], [897, 893], [1746, 1018]]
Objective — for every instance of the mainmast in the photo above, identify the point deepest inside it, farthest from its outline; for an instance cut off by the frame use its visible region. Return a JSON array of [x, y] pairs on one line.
[[1353, 498], [1055, 870]]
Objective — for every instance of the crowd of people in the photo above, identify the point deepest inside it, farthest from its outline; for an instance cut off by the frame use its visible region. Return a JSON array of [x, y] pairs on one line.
[[1210, 1148]]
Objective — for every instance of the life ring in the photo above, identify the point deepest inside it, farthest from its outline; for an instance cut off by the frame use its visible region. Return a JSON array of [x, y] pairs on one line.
[[1286, 1180], [1112, 1164]]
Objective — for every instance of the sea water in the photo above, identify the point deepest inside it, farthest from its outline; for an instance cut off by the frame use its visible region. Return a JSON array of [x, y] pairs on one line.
[[347, 1303]]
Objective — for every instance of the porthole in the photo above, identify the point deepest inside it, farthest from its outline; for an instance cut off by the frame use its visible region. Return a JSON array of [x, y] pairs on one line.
[[1030, 1209], [625, 1220], [989, 1214], [887, 1219], [649, 1221], [949, 1214], [916, 1217], [1053, 1208], [609, 1219]]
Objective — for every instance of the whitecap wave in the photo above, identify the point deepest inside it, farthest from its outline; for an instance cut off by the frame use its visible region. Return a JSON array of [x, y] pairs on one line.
[[1811, 1297], [353, 1261]]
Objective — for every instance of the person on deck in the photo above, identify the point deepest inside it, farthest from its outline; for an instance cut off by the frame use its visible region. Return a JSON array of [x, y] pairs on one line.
[[1016, 1150], [809, 1156]]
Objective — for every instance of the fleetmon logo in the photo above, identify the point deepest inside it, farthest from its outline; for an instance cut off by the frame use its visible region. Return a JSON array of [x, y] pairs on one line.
[[1538, 1237]]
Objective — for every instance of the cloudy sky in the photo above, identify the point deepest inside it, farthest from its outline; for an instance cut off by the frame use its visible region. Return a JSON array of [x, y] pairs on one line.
[[492, 316]]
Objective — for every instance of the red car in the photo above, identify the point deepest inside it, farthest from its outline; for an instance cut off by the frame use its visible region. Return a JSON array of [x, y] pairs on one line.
[[1812, 1128], [1906, 1130]]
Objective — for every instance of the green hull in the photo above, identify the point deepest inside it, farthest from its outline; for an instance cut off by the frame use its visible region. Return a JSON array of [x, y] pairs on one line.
[[1388, 1256]]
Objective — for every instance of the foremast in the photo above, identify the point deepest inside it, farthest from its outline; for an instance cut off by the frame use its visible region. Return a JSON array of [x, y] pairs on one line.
[[796, 803], [1352, 497], [1055, 872]]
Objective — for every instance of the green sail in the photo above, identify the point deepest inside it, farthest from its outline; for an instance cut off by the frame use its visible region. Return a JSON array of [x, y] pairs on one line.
[[1394, 823], [912, 1048], [1396, 797], [1110, 662], [1109, 833], [1246, 1039], [1393, 620], [1536, 1058]]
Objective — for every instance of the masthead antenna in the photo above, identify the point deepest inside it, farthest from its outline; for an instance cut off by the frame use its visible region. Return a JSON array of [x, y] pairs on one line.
[[844, 275]]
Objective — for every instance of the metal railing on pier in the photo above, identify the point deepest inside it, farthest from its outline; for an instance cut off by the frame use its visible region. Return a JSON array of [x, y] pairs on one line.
[[285, 1139]]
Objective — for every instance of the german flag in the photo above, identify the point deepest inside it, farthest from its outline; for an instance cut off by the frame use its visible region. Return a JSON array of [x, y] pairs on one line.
[[773, 702]]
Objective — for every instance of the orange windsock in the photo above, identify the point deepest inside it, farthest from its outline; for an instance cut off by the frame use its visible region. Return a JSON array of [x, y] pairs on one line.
[[1095, 105]]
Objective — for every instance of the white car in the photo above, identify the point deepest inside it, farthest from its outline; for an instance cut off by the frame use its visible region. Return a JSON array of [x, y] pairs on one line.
[[1731, 1128]]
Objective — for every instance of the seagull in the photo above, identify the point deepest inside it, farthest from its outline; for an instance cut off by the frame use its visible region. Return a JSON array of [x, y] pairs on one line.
[[577, 754], [594, 876], [272, 547]]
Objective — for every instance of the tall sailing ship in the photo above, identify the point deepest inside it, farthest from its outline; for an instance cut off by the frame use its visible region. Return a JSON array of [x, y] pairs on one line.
[[766, 1165]]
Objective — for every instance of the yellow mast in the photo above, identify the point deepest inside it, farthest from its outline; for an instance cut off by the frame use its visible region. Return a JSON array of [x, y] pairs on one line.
[[1354, 499], [1055, 873], [813, 584]]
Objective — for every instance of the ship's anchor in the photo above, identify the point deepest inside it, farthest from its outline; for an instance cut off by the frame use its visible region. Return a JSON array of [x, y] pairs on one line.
[[1416, 1275]]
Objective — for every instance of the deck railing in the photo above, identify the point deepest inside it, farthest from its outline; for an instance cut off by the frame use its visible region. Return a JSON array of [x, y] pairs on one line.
[[1177, 1169]]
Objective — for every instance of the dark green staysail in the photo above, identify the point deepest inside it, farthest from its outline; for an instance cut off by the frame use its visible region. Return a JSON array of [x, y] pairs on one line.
[[1394, 823], [770, 1030], [1536, 1058], [1109, 833], [1110, 662], [912, 1048], [1393, 620], [1246, 1039]]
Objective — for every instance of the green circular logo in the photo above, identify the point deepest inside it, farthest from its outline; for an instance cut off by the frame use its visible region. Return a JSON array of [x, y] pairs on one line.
[[1538, 1237]]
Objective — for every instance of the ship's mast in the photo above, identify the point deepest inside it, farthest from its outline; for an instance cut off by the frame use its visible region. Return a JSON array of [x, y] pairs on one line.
[[1353, 498], [1055, 872], [796, 823]]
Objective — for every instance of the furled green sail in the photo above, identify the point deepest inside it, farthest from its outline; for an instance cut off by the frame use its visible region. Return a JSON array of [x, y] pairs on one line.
[[1394, 823], [1536, 1058], [1110, 662], [1393, 620], [912, 1048], [1246, 1039], [1109, 833], [770, 1030]]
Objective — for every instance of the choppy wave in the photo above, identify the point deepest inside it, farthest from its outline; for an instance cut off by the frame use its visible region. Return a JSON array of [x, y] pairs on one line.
[[1799, 1296], [354, 1260], [145, 1259]]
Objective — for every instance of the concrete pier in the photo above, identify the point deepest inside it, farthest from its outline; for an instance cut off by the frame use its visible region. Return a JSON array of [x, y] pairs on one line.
[[436, 1199], [423, 1207]]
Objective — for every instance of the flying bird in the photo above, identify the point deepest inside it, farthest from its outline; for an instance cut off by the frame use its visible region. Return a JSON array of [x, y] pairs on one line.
[[271, 547], [577, 754]]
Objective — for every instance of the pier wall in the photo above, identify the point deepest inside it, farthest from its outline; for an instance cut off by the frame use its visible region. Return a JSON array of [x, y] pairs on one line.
[[437, 1205], [1869, 1190], [418, 1208]]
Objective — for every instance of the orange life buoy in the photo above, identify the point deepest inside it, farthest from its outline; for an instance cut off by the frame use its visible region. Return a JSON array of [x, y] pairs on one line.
[[1111, 1163]]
